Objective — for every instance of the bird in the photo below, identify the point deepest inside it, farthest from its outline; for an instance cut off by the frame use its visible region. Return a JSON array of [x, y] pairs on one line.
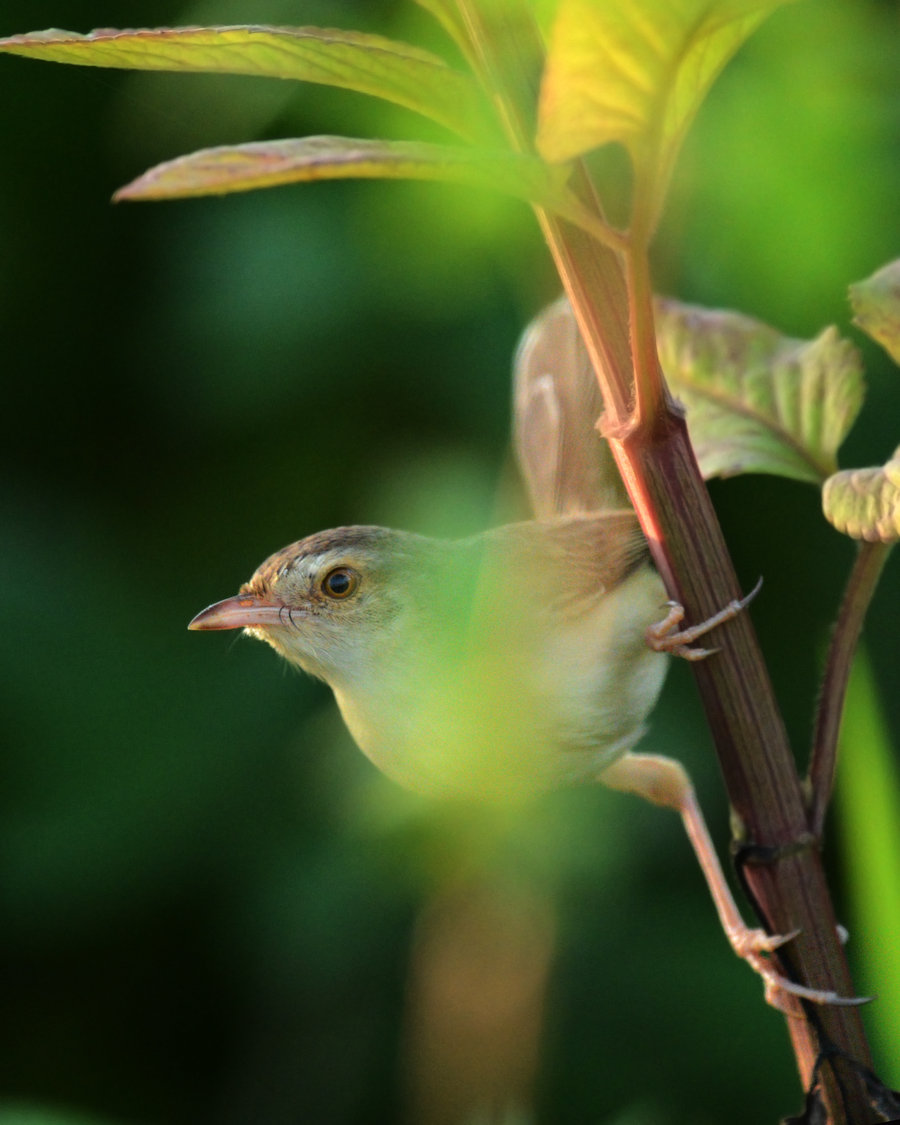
[[515, 661], [503, 663]]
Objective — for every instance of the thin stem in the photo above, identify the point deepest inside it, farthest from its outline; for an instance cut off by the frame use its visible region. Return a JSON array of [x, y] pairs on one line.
[[651, 397], [572, 210], [861, 584]]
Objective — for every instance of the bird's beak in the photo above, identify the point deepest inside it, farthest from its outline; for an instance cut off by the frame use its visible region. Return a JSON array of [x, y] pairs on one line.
[[240, 612]]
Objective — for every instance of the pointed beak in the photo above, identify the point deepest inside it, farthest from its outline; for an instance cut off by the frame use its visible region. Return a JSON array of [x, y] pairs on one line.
[[240, 612]]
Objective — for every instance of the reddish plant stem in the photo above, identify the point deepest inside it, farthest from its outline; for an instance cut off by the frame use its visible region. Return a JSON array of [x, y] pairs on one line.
[[659, 469], [867, 568]]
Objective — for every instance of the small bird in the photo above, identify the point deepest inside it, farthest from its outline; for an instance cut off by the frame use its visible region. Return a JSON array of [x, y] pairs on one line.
[[514, 661], [508, 662]]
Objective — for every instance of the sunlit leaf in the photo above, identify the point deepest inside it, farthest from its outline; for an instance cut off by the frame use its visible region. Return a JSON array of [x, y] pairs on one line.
[[352, 60], [757, 401], [636, 73], [865, 503], [270, 163], [876, 307], [447, 15]]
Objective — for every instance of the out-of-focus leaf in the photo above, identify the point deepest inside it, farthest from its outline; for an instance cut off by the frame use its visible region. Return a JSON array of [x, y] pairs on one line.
[[566, 465], [20, 1113], [868, 821], [865, 503], [351, 60], [269, 163], [757, 401], [876, 307], [447, 15], [636, 74]]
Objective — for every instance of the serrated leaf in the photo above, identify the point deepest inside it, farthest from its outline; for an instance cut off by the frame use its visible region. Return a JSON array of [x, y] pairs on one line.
[[351, 60], [876, 307], [636, 73], [270, 163], [757, 401], [865, 503]]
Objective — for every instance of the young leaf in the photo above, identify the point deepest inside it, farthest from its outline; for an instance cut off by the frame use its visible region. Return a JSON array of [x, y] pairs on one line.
[[447, 15], [876, 307], [865, 503], [636, 73], [270, 163], [758, 401], [368, 64]]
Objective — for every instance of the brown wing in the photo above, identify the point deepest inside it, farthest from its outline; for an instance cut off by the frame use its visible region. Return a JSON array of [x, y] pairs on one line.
[[567, 467], [568, 561]]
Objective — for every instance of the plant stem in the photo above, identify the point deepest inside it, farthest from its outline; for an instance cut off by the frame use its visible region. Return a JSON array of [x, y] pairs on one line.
[[867, 568], [660, 471], [652, 400]]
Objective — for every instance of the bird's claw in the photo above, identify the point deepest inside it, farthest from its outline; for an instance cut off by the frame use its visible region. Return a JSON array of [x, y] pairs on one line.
[[665, 636], [751, 945], [750, 941]]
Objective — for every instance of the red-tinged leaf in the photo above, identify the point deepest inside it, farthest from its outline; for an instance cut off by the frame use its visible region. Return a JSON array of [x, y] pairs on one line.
[[876, 307], [636, 73], [865, 503], [757, 401], [368, 64], [216, 171]]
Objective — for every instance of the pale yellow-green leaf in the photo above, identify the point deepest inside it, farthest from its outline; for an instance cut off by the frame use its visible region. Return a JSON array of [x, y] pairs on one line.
[[352, 60], [757, 401], [447, 15], [636, 72], [216, 171], [865, 503], [876, 307]]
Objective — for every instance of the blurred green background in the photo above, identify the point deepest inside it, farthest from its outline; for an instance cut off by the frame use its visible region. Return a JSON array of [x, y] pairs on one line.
[[210, 901]]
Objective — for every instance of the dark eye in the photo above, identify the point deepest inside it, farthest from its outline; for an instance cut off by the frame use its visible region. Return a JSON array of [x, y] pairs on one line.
[[340, 582]]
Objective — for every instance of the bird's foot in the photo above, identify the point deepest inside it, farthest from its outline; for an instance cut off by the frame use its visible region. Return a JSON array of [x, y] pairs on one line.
[[753, 944], [665, 636]]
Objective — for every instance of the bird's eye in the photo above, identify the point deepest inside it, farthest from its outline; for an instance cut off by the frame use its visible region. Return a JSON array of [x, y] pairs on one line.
[[340, 582]]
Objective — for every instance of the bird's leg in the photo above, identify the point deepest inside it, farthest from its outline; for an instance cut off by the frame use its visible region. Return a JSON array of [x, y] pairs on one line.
[[665, 782], [665, 636]]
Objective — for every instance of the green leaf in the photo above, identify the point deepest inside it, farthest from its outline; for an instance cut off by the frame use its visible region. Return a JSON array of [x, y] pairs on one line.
[[22, 1113], [447, 15], [636, 73], [351, 60], [868, 824], [270, 163], [876, 307], [865, 503], [757, 401]]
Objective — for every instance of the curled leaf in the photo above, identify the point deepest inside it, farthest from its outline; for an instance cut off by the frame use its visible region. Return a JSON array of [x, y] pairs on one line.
[[269, 163], [757, 401], [566, 465], [876, 307], [865, 503], [352, 60]]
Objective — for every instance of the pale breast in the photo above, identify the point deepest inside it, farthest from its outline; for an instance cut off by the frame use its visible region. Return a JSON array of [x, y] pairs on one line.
[[508, 706]]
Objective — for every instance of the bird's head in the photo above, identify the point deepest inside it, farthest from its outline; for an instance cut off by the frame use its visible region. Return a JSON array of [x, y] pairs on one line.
[[330, 601]]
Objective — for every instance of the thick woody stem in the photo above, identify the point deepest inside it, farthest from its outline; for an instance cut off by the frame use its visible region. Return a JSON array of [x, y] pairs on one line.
[[660, 471]]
